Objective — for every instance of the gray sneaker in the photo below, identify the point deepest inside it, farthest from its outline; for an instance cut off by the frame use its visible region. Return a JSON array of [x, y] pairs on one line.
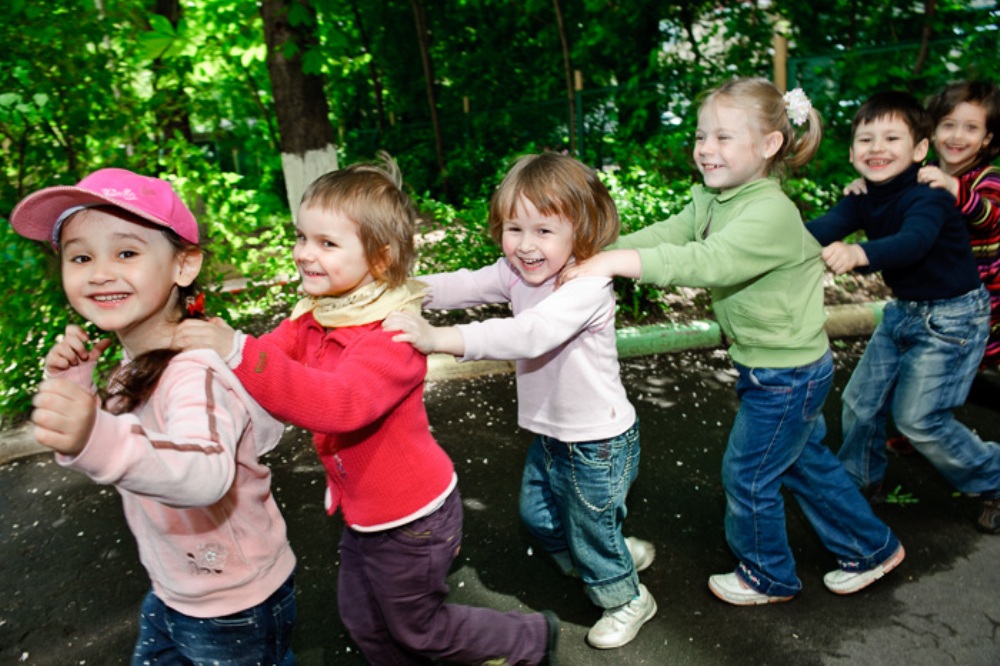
[[620, 625], [643, 553]]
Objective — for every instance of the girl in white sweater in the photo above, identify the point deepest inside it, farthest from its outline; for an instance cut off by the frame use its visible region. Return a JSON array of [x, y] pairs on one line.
[[549, 211]]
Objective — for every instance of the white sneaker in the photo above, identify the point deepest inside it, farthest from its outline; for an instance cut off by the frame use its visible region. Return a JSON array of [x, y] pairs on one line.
[[643, 553], [620, 625], [849, 582]]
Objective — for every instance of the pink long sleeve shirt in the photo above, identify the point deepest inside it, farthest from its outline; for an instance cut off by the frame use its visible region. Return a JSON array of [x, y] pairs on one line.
[[196, 497], [563, 342]]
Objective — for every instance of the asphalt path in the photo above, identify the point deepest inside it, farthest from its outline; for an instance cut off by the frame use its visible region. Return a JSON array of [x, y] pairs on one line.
[[71, 583]]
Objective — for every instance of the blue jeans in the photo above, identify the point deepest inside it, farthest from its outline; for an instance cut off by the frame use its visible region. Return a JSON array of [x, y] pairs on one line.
[[573, 502], [392, 596], [777, 440], [920, 363], [258, 636]]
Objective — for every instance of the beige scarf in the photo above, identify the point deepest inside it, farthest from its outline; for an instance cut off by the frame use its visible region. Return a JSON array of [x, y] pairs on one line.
[[372, 302]]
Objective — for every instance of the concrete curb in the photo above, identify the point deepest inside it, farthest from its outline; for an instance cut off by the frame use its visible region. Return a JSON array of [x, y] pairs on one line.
[[842, 321]]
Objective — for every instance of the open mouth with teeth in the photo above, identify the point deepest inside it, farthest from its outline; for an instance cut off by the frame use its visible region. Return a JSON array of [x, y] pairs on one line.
[[530, 265], [109, 298]]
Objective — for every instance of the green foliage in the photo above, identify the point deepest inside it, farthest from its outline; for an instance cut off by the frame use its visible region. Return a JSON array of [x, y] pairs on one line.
[[34, 312], [452, 239], [901, 498]]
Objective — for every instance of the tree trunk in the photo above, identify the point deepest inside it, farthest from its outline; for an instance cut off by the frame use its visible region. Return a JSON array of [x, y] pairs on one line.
[[373, 69], [306, 133], [568, 73], [930, 6], [423, 39], [172, 115]]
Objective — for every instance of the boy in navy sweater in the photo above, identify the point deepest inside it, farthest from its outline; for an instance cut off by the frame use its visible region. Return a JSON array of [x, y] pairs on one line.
[[923, 356]]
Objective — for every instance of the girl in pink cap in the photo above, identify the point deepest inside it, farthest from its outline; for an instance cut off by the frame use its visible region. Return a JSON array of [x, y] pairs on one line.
[[174, 432]]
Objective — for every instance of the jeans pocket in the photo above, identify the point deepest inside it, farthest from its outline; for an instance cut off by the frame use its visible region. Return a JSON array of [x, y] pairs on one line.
[[601, 470], [770, 379], [954, 328]]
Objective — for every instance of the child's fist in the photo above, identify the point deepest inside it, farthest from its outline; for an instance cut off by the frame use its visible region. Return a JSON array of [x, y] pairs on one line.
[[64, 416]]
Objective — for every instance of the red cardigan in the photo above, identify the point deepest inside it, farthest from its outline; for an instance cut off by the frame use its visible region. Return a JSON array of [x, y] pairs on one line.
[[361, 395]]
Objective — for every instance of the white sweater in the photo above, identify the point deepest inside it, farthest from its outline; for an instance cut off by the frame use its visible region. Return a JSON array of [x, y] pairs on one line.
[[568, 383]]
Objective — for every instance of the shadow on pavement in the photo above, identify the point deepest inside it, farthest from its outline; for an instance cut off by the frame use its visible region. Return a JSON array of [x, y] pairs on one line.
[[71, 582]]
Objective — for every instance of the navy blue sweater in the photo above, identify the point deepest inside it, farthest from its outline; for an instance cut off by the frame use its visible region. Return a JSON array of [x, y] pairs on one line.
[[916, 237]]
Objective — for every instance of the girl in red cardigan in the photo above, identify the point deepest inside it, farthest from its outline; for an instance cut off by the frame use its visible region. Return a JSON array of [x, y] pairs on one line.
[[330, 368]]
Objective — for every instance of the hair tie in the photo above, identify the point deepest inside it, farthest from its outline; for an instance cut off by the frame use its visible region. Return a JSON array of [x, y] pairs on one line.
[[797, 106], [195, 305]]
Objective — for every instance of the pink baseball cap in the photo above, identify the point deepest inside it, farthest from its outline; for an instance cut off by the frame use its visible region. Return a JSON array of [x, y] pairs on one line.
[[40, 215]]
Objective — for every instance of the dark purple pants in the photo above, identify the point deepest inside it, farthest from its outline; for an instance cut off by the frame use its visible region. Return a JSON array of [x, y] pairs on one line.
[[392, 595]]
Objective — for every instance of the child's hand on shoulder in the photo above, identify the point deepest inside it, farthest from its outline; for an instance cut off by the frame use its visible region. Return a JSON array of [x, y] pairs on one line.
[[934, 177], [212, 334], [412, 328], [843, 257], [64, 415], [856, 186], [71, 350], [425, 338], [610, 263]]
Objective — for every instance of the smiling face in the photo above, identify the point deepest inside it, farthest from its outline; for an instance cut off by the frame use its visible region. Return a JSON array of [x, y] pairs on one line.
[[960, 136], [329, 254], [728, 149], [122, 276], [884, 148], [537, 246]]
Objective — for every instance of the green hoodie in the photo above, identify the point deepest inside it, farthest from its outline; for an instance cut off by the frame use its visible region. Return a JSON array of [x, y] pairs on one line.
[[748, 246]]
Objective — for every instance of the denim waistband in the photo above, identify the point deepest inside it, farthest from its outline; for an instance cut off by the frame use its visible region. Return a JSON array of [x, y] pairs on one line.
[[969, 300]]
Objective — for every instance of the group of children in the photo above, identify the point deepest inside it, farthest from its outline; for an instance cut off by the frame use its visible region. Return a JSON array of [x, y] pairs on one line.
[[181, 423]]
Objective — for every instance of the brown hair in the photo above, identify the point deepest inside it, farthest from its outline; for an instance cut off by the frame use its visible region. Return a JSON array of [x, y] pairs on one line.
[[899, 104], [765, 106], [371, 195], [557, 184], [983, 93]]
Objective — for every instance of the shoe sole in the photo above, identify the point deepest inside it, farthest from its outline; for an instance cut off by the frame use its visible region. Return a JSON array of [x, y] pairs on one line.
[[756, 601], [630, 637], [880, 571]]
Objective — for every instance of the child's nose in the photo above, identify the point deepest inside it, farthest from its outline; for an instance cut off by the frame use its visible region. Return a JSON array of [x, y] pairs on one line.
[[100, 271], [303, 252]]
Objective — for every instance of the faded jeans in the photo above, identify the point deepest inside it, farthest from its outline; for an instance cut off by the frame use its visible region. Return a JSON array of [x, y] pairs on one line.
[[920, 363], [573, 502], [777, 440]]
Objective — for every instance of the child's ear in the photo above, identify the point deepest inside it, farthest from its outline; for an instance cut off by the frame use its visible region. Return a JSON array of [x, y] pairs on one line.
[[772, 144], [986, 141], [188, 266], [380, 265], [920, 150]]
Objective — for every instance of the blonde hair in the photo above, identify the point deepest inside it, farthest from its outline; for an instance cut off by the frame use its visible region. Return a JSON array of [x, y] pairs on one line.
[[371, 195], [765, 107], [557, 184]]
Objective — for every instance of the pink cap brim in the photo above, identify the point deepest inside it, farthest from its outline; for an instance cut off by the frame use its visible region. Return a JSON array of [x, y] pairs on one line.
[[36, 215]]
